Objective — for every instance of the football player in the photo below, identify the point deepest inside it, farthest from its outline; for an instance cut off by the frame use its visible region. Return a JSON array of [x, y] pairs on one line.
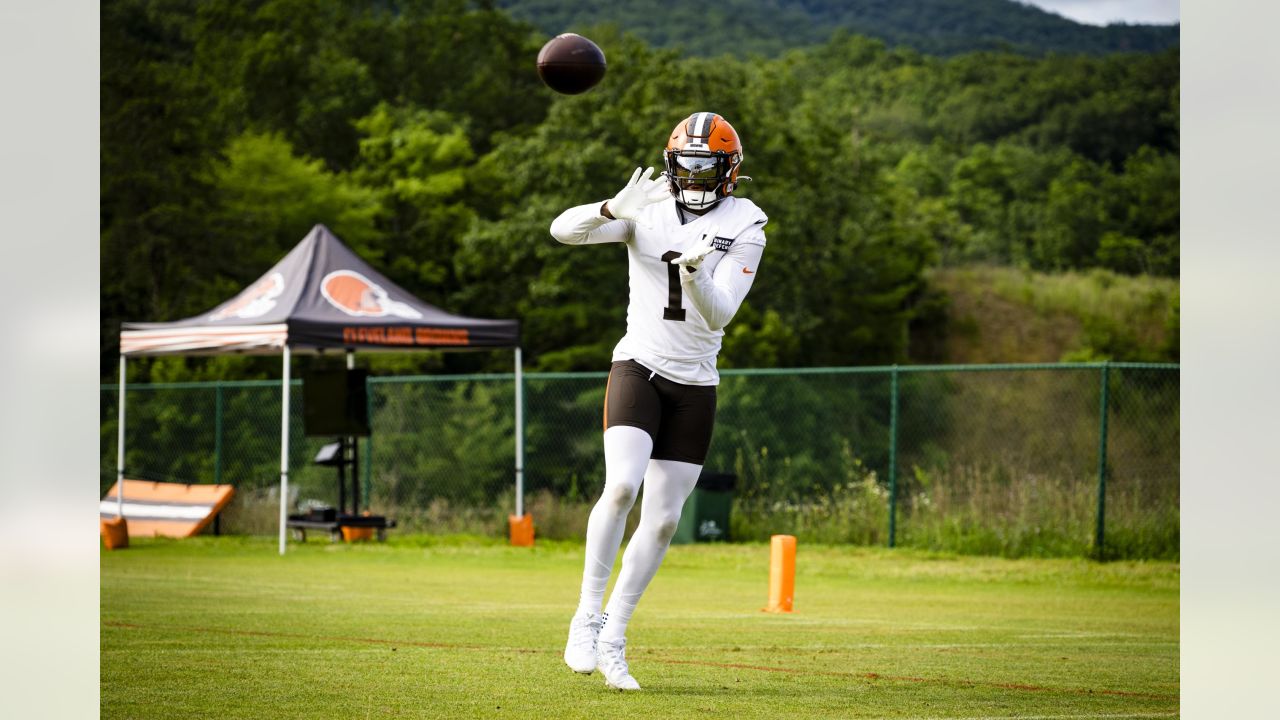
[[693, 251]]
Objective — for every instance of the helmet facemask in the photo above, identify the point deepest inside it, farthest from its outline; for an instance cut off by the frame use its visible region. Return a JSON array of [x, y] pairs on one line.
[[702, 159], [698, 177]]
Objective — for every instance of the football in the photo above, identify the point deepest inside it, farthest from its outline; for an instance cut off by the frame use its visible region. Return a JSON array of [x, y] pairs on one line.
[[570, 64]]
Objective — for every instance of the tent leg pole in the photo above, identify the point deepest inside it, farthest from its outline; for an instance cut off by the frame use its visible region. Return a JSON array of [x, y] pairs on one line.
[[519, 377], [356, 495], [120, 447], [284, 451]]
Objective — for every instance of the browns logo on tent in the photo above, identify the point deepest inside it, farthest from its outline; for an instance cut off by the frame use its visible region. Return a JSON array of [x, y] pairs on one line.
[[355, 294], [254, 302]]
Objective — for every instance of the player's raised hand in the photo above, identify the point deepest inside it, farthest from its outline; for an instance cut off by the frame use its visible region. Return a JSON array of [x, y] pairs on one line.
[[693, 257], [641, 191]]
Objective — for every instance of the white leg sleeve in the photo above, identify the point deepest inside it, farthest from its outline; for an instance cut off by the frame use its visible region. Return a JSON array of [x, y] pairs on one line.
[[667, 485], [626, 454]]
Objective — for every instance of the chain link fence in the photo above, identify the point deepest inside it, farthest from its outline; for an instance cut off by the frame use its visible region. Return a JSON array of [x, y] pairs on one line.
[[1050, 460]]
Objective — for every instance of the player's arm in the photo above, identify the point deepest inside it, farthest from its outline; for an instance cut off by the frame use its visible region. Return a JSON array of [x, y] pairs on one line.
[[598, 222], [586, 225], [718, 296]]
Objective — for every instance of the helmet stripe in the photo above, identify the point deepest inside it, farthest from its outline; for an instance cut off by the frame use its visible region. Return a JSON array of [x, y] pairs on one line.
[[691, 127], [701, 123]]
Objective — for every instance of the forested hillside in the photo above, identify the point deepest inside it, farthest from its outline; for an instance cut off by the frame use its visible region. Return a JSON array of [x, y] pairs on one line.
[[1012, 315], [769, 27], [418, 132]]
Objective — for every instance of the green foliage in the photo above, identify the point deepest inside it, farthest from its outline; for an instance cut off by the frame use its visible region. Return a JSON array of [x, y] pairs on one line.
[[185, 84], [228, 129], [416, 161], [854, 511], [944, 27], [995, 314], [430, 447], [270, 197], [1048, 210], [985, 511], [1123, 318], [419, 132]]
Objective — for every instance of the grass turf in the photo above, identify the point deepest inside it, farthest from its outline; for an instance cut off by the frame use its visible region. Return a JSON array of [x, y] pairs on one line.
[[464, 627]]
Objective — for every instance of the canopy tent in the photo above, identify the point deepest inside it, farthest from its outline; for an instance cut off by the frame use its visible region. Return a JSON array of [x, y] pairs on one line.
[[322, 295]]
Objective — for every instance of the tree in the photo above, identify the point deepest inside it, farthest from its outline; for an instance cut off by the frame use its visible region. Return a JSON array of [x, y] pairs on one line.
[[269, 198], [416, 161]]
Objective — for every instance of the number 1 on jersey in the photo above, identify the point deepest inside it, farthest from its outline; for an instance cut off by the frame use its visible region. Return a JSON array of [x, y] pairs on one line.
[[672, 311]]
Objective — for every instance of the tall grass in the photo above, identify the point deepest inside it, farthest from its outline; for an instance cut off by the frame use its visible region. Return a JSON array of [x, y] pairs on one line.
[[257, 512], [853, 512], [976, 510], [968, 510]]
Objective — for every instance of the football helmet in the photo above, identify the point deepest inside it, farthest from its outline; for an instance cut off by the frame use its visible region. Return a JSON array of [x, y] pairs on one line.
[[702, 159]]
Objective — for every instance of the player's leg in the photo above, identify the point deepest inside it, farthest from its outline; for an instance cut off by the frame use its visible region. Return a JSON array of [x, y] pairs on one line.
[[667, 485], [626, 452], [626, 455], [632, 415], [630, 400], [680, 448]]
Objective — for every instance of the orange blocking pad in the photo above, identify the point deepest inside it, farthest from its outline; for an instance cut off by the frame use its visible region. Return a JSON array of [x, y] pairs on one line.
[[163, 508], [782, 573], [521, 527]]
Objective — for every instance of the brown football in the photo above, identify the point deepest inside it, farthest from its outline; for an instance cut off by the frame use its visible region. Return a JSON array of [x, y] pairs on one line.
[[570, 64]]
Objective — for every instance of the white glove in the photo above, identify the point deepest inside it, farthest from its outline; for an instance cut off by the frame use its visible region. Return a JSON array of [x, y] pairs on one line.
[[692, 258], [639, 193]]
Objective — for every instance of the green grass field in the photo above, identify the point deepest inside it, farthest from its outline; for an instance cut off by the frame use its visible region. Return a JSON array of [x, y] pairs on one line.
[[463, 627]]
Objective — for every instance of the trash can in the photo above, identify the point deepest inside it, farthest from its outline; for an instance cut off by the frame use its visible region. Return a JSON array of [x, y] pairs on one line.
[[705, 517]]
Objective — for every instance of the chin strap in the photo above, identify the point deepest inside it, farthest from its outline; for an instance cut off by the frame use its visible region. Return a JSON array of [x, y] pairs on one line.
[[696, 211], [715, 198]]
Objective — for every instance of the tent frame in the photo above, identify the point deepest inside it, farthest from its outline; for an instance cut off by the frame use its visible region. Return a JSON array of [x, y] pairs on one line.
[[284, 438]]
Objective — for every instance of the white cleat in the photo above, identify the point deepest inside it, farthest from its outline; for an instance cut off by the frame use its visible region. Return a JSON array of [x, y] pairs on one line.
[[580, 651], [612, 659]]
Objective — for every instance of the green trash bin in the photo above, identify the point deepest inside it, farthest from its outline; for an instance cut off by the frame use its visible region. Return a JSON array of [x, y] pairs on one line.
[[705, 517]]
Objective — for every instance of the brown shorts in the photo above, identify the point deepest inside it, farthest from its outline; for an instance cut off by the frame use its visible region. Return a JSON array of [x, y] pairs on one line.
[[678, 417]]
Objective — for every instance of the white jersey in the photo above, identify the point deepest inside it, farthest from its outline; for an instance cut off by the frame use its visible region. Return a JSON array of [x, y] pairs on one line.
[[675, 321]]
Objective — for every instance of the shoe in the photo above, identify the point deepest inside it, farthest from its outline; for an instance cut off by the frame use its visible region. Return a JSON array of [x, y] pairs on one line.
[[580, 651], [611, 658]]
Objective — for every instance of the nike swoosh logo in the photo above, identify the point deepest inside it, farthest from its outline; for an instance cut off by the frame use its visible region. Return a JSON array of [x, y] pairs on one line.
[[745, 271]]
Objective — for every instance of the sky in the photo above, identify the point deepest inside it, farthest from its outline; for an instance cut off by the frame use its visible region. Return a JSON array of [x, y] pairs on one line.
[[1102, 12]]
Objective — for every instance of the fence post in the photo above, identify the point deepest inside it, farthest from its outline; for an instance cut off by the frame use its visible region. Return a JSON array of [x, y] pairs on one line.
[[519, 439], [368, 443], [217, 448], [120, 441], [1098, 541], [217, 433], [893, 455]]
